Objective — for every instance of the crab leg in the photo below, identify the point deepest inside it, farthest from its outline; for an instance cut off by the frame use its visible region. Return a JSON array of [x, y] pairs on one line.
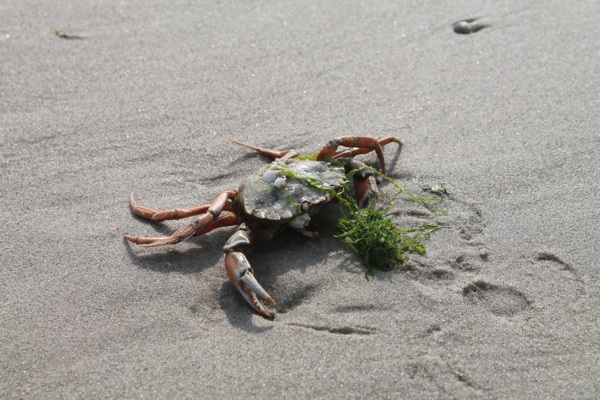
[[330, 149], [365, 184], [240, 272], [162, 215], [267, 152], [356, 151], [221, 222], [192, 229]]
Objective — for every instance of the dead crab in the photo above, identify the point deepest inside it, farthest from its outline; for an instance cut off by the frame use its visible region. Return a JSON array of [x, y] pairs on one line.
[[288, 192]]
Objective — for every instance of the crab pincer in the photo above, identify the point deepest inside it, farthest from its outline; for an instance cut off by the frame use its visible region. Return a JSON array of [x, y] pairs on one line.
[[241, 275]]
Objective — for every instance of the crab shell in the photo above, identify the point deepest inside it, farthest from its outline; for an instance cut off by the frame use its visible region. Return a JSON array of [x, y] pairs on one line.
[[273, 198]]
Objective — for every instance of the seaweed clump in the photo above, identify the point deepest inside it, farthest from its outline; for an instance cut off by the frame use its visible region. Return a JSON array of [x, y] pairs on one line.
[[379, 243], [375, 238]]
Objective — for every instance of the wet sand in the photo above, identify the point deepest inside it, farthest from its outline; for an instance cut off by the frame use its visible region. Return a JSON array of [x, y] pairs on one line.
[[143, 96]]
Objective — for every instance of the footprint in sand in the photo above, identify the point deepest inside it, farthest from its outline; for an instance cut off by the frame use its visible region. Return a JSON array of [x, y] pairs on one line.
[[500, 300], [553, 281], [463, 226], [562, 283], [554, 284]]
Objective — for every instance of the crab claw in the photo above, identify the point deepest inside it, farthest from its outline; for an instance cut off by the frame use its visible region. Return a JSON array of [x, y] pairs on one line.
[[242, 277]]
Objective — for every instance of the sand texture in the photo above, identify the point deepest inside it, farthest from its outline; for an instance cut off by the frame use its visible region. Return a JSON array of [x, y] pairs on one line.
[[143, 95]]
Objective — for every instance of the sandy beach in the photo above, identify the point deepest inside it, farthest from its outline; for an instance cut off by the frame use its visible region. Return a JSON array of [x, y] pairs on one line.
[[98, 99]]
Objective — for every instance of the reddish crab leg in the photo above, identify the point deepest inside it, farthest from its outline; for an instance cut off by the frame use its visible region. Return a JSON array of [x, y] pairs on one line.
[[221, 222], [267, 152], [214, 210], [162, 215], [330, 149], [356, 151]]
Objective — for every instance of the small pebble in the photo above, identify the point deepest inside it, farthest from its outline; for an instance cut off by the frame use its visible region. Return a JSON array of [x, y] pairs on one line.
[[462, 27], [469, 26]]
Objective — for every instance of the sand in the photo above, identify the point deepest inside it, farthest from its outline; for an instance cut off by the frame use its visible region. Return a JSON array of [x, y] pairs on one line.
[[143, 96]]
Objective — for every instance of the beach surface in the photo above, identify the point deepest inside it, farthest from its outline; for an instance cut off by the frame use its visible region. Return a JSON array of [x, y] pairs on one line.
[[98, 99]]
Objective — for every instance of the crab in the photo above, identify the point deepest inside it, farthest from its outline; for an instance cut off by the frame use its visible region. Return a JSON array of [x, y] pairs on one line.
[[287, 193]]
